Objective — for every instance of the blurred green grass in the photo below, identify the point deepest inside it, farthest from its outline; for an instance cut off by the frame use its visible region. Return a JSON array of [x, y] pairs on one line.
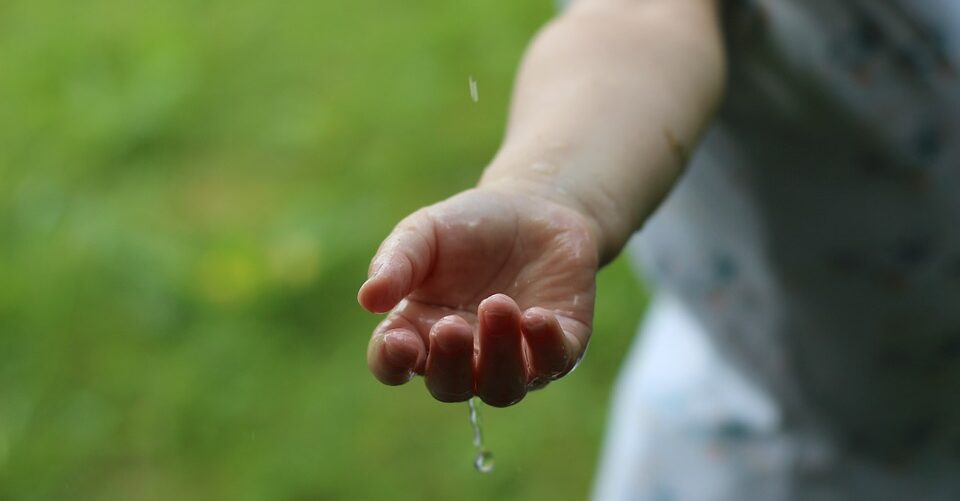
[[189, 193]]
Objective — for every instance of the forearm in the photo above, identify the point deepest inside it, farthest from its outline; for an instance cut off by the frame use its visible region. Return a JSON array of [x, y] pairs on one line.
[[609, 99]]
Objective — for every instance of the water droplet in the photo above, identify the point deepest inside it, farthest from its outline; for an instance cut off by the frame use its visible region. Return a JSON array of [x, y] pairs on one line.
[[473, 90], [576, 363], [544, 167], [475, 422], [484, 460]]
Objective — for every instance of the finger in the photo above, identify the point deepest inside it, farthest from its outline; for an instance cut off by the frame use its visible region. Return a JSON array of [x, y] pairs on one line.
[[400, 265], [396, 351], [501, 370], [576, 335], [449, 373], [547, 344]]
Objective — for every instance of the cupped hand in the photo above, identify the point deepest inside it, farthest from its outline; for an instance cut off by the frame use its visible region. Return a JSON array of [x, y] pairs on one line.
[[490, 293]]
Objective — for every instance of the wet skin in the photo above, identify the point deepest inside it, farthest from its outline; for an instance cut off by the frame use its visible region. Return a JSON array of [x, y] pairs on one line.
[[489, 293]]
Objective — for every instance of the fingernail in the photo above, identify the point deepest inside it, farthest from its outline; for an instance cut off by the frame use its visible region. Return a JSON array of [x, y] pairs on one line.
[[500, 323], [496, 314], [398, 352], [451, 342], [535, 321]]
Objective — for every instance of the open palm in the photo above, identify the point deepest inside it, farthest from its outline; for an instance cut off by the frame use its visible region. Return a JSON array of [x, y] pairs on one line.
[[490, 294]]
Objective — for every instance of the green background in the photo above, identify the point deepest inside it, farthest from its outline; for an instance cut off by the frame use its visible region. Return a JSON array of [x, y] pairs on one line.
[[189, 194]]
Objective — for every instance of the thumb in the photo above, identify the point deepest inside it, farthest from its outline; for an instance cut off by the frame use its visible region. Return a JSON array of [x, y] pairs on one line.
[[401, 264]]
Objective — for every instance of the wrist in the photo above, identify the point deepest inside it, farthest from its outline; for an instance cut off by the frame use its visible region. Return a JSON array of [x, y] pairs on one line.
[[554, 190]]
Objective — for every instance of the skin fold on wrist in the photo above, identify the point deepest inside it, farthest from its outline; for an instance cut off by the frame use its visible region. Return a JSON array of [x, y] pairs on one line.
[[551, 191]]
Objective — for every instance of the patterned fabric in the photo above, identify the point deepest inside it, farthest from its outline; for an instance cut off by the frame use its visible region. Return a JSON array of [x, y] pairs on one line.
[[806, 344]]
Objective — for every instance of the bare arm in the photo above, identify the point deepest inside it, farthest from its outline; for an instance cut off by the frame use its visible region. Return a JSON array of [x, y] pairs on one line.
[[609, 99], [491, 292]]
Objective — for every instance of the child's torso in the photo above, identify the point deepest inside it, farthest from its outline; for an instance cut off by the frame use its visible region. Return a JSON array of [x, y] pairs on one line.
[[817, 232]]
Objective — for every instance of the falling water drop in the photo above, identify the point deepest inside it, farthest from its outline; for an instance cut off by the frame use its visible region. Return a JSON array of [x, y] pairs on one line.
[[484, 460], [474, 95]]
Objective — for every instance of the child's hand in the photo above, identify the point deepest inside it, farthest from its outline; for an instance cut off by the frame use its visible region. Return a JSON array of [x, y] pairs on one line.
[[491, 294]]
